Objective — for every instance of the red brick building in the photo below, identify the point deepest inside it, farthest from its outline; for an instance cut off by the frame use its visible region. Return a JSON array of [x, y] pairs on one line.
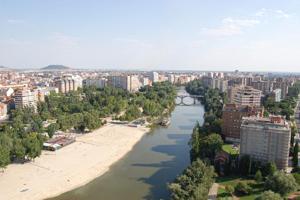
[[232, 120]]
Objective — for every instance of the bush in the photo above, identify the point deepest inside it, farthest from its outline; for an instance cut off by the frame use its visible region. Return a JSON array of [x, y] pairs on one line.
[[229, 189], [269, 195], [281, 183], [243, 188], [297, 178]]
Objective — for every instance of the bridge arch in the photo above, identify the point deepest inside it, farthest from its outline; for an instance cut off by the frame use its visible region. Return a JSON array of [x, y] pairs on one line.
[[182, 97]]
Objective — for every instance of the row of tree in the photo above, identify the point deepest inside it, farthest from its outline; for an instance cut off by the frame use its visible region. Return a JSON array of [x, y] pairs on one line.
[[193, 183], [205, 142]]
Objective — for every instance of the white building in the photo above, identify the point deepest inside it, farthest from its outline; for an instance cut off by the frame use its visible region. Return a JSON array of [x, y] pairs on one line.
[[68, 83], [126, 82], [25, 98], [266, 140], [97, 82], [245, 96], [154, 77]]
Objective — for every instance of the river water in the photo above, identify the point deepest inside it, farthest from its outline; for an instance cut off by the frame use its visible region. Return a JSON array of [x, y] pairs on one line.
[[154, 161]]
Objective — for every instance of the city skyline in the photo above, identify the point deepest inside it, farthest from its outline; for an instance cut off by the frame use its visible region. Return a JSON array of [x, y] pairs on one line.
[[156, 35]]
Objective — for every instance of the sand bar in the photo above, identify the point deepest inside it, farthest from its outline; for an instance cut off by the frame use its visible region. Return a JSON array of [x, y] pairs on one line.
[[54, 173]]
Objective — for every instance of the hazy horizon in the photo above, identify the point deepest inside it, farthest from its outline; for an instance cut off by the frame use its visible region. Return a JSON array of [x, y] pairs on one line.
[[152, 35]]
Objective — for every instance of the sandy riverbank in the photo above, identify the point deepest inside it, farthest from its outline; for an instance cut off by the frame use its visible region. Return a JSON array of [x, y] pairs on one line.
[[54, 173]]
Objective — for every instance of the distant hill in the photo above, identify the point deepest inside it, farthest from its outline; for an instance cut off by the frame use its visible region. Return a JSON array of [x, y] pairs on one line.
[[3, 68], [55, 67]]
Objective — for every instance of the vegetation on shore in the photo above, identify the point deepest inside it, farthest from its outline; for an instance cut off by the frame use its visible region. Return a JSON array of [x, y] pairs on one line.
[[22, 137], [238, 177]]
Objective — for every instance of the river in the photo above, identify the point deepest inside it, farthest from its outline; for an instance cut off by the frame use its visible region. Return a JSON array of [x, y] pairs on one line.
[[154, 161]]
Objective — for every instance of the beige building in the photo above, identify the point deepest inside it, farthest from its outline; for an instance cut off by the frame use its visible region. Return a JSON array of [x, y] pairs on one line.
[[25, 98], [96, 82], [3, 111], [126, 82], [68, 84], [266, 139], [245, 96]]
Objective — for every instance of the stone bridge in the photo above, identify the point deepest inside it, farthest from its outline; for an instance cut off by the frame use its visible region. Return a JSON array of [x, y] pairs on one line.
[[182, 97]]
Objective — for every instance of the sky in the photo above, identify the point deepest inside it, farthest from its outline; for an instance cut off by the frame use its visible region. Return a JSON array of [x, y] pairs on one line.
[[249, 35]]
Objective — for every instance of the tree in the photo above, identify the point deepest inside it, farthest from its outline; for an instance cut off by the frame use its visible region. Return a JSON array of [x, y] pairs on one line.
[[297, 177], [19, 150], [32, 145], [193, 183], [295, 156], [281, 183], [210, 145], [4, 157], [195, 142], [269, 169], [51, 129], [258, 176], [269, 195], [229, 189]]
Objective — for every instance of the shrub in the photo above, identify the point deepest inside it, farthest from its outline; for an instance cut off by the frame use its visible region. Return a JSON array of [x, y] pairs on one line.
[[269, 195], [229, 189], [258, 176], [281, 183], [243, 188]]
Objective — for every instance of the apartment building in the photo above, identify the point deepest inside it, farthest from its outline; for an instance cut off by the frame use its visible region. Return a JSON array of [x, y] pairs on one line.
[[126, 82], [97, 82], [68, 83], [154, 77], [232, 120], [215, 83], [266, 139], [245, 96], [283, 85], [3, 111], [276, 94], [264, 86], [25, 98]]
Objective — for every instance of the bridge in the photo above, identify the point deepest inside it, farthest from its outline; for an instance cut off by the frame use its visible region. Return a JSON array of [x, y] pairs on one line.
[[183, 96]]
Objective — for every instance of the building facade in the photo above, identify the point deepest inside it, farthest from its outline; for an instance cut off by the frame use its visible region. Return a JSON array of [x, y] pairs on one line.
[[68, 83], [97, 82], [245, 96], [25, 98], [126, 82], [232, 120], [266, 140]]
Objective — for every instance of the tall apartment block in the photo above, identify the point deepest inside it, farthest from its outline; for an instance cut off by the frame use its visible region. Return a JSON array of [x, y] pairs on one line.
[[67, 84], [266, 140], [154, 77], [97, 82], [215, 83], [25, 98], [264, 86], [232, 120], [126, 82], [245, 96], [283, 85]]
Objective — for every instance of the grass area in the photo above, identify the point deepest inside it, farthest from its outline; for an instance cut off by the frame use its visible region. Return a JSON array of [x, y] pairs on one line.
[[229, 149], [257, 188]]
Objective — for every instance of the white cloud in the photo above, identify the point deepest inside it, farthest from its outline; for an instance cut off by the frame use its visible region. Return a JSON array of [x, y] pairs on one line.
[[230, 27], [261, 13], [15, 21], [272, 13], [282, 14]]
